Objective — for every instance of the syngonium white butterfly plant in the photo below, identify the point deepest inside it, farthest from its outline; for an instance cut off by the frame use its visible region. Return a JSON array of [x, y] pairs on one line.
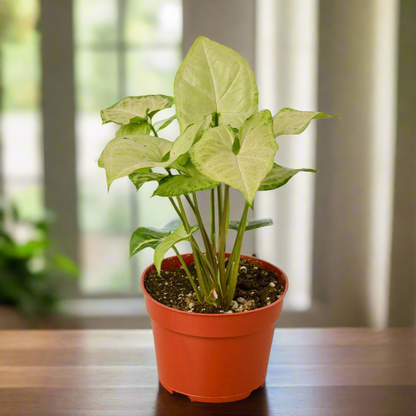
[[224, 142]]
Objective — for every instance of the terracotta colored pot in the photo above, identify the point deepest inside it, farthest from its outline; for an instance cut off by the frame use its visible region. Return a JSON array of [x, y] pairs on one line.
[[212, 357]]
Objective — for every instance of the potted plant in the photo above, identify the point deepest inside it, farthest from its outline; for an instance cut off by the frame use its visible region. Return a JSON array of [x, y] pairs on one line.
[[32, 272], [213, 313]]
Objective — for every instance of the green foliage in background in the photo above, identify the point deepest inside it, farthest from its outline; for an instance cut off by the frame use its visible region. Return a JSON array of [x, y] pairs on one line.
[[19, 55], [225, 141], [31, 274]]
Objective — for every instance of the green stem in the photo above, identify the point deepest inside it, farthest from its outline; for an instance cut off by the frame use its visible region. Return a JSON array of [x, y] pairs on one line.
[[219, 202], [152, 128], [196, 212], [176, 208], [215, 120], [188, 273], [199, 258], [208, 247], [198, 255], [190, 203], [207, 268], [182, 209], [201, 276], [223, 238], [212, 222], [234, 260]]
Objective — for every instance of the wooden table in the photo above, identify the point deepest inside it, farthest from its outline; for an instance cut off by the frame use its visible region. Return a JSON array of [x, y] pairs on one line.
[[319, 372]]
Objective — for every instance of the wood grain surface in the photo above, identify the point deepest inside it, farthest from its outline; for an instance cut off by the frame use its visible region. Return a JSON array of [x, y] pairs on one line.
[[312, 372]]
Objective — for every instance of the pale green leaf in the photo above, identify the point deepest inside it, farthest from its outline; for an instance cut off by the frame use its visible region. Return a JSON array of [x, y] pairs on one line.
[[145, 237], [142, 176], [185, 165], [290, 121], [181, 162], [123, 156], [251, 224], [279, 176], [133, 129], [134, 109], [185, 141], [162, 124], [213, 155], [214, 79], [183, 185], [179, 235]]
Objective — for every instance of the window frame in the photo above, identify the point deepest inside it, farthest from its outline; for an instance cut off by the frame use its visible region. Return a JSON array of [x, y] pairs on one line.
[[333, 300], [60, 179]]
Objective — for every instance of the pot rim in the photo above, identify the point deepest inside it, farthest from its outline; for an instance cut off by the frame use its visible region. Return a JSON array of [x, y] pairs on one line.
[[214, 315]]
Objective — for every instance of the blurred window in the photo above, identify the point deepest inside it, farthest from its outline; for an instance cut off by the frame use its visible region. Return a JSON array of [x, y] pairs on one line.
[[122, 47], [20, 116]]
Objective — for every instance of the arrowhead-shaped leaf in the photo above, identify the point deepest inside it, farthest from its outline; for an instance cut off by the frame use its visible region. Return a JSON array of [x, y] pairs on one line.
[[162, 124], [142, 176], [214, 79], [183, 185], [279, 176], [290, 121], [133, 129], [251, 224], [145, 237], [185, 141], [180, 147], [124, 155], [179, 235], [214, 155], [134, 109]]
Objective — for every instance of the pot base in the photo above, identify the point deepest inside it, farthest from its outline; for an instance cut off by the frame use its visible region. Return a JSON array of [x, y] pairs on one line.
[[202, 399]]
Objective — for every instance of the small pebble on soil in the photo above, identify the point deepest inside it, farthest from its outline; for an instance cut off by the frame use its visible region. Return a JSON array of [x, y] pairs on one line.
[[255, 289]]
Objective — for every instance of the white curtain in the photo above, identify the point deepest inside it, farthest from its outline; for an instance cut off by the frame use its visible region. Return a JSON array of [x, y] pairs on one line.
[[286, 69], [336, 242], [341, 235]]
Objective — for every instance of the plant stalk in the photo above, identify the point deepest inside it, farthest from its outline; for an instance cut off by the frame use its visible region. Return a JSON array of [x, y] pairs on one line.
[[152, 128], [223, 237], [188, 273], [176, 209], [206, 268], [212, 222], [208, 247], [201, 276], [208, 261], [199, 257], [234, 260]]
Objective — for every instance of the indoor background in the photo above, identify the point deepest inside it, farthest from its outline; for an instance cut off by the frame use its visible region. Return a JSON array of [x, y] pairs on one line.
[[345, 237]]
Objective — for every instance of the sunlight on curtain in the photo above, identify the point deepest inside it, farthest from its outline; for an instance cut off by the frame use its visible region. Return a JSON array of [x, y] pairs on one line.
[[286, 66], [383, 152]]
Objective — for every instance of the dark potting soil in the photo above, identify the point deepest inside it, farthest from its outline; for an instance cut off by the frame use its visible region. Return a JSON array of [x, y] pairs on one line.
[[255, 288]]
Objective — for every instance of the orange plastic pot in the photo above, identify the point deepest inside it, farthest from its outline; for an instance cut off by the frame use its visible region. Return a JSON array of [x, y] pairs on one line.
[[212, 357]]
